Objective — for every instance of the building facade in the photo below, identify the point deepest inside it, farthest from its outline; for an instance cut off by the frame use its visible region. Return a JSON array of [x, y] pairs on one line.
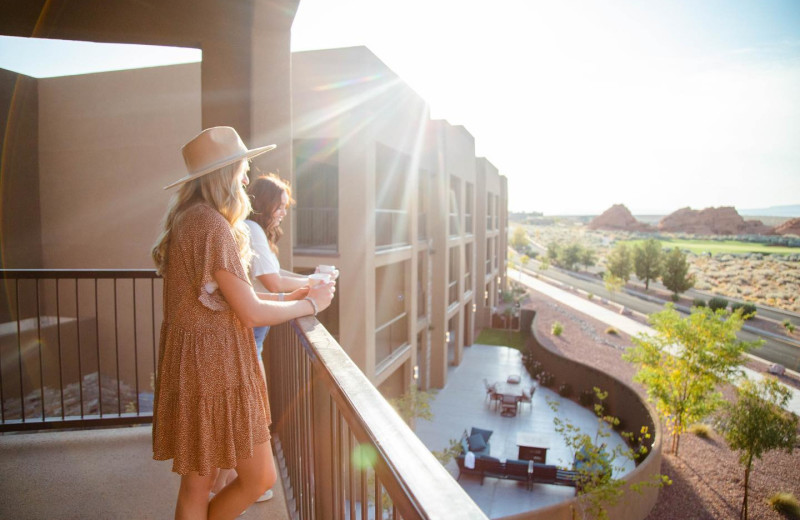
[[398, 203]]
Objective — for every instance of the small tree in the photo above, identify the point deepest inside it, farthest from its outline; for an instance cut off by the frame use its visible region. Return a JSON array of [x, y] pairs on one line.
[[647, 261], [675, 273], [569, 256], [684, 362], [619, 261], [519, 239], [612, 283], [595, 463], [523, 261], [552, 251], [414, 404], [588, 257], [757, 423], [544, 264]]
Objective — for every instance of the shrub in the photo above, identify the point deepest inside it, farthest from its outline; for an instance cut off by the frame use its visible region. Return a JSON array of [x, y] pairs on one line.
[[698, 302], [748, 309], [785, 503], [788, 325], [546, 378], [612, 330], [717, 303], [701, 430], [565, 390], [557, 328], [590, 296]]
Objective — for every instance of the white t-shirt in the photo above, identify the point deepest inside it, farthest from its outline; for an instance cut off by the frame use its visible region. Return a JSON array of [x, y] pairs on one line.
[[264, 260]]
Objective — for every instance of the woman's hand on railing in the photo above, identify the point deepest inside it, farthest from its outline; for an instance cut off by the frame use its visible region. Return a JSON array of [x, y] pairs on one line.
[[322, 294]]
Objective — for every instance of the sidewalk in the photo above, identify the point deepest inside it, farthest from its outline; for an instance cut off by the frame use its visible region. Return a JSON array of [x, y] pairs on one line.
[[618, 321]]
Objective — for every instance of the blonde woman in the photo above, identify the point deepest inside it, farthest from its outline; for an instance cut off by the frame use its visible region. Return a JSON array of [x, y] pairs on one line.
[[211, 409]]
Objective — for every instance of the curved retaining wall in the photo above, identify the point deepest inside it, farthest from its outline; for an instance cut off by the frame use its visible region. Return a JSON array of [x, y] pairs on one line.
[[622, 402]]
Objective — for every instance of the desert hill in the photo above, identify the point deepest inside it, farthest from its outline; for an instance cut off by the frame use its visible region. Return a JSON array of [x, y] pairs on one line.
[[712, 221], [790, 227], [618, 218], [724, 220]]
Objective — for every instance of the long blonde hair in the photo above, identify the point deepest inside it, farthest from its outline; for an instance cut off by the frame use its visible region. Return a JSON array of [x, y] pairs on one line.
[[223, 192]]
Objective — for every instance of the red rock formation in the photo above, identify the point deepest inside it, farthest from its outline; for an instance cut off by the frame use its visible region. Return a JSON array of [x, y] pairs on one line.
[[790, 227], [618, 218], [712, 221]]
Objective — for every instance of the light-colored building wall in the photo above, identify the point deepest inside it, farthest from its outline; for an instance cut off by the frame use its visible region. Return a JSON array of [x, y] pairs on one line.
[[359, 131], [487, 240], [392, 199]]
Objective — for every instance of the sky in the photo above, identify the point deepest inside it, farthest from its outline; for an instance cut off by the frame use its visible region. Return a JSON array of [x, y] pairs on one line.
[[581, 104]]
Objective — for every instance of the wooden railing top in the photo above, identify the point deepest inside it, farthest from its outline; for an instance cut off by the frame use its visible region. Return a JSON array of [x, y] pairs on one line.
[[419, 485]]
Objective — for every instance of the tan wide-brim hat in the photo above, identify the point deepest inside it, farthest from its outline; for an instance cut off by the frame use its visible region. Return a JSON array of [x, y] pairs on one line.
[[212, 149]]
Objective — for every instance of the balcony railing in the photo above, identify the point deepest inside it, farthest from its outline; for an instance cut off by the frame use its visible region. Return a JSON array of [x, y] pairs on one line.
[[452, 292], [78, 348], [422, 226], [391, 336], [391, 228], [468, 223], [317, 229], [342, 451], [455, 228]]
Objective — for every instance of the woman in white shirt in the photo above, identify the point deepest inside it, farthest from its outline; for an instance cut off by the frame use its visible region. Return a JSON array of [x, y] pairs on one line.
[[271, 197]]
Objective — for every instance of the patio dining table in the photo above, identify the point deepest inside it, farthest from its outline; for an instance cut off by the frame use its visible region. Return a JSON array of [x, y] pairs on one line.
[[507, 395]]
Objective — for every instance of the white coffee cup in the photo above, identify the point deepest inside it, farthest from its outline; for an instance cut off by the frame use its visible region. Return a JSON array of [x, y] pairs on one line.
[[328, 269], [318, 278]]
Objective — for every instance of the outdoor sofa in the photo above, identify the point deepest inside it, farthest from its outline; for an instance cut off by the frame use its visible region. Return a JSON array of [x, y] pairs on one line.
[[512, 469]]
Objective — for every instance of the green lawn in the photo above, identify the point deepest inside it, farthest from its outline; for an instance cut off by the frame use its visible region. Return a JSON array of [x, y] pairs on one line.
[[501, 337], [722, 246]]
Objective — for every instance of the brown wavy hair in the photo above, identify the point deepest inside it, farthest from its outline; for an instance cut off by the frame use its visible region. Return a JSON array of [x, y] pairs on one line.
[[265, 193]]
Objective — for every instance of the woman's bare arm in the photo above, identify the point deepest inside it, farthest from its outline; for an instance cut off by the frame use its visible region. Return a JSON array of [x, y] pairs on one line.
[[255, 312], [277, 282]]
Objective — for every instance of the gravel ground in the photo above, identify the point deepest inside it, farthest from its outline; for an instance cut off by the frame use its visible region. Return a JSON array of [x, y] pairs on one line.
[[707, 478]]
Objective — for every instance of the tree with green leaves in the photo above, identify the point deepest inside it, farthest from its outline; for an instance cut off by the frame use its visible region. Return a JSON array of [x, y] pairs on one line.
[[612, 283], [588, 258], [647, 261], [414, 404], [757, 423], [595, 463], [552, 251], [682, 364], [675, 273], [619, 262], [523, 261], [569, 256], [519, 239]]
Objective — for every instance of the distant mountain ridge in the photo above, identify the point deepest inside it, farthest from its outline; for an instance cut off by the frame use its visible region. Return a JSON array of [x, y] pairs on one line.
[[792, 210]]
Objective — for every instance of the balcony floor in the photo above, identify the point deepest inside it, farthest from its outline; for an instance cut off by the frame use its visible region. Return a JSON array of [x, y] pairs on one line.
[[107, 473], [462, 404]]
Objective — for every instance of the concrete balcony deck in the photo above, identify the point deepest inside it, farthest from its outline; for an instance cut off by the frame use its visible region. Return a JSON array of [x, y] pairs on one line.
[[105, 473]]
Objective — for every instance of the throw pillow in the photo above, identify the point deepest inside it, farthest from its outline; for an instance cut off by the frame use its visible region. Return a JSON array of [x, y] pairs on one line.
[[476, 443], [484, 433]]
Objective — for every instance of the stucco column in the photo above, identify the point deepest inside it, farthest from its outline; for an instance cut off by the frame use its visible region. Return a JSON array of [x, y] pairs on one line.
[[357, 248]]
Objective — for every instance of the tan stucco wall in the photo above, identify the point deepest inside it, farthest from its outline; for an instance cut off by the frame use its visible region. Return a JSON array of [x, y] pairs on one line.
[[19, 172], [351, 97], [108, 144]]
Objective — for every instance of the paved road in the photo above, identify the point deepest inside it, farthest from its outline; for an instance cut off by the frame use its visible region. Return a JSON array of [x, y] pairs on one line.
[[774, 350], [616, 320]]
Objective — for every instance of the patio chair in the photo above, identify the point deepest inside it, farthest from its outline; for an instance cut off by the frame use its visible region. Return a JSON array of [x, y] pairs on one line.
[[490, 389], [525, 397]]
